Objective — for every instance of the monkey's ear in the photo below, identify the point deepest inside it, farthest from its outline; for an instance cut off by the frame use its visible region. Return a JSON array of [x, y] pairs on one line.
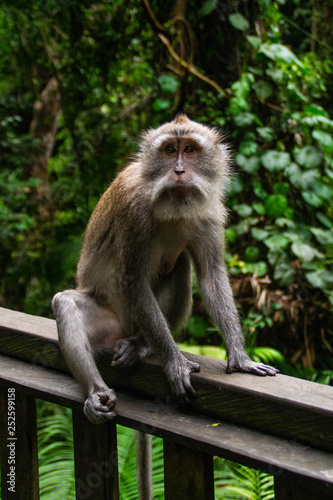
[[180, 119]]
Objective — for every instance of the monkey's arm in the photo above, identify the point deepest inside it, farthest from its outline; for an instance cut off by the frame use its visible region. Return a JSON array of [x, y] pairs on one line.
[[216, 291], [148, 317]]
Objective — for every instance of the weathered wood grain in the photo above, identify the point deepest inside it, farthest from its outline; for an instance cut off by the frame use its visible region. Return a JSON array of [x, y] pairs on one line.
[[19, 450], [282, 406], [188, 473], [96, 459], [294, 487], [183, 427]]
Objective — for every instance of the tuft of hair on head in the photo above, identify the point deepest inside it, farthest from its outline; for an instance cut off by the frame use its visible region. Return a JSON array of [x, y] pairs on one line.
[[180, 118]]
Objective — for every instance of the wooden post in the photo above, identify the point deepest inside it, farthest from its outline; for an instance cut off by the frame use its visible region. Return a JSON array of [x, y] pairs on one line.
[[188, 473], [19, 451], [296, 487], [144, 465], [96, 459]]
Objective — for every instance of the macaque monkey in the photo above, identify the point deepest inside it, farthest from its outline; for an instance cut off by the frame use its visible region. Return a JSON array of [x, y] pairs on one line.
[[161, 214]]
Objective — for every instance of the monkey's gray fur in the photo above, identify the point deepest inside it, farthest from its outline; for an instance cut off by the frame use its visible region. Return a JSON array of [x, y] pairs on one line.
[[162, 213]]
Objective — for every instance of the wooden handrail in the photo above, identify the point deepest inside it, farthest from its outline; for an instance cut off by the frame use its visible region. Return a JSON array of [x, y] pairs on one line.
[[291, 437]]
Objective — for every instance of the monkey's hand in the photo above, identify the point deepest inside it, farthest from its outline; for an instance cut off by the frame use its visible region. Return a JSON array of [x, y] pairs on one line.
[[242, 363], [98, 406], [178, 372]]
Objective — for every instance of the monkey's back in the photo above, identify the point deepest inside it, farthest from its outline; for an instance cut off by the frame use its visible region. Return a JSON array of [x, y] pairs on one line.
[[117, 232]]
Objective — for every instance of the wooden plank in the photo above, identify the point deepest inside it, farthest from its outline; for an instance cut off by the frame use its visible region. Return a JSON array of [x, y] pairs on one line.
[[19, 451], [210, 435], [283, 406], [96, 459], [188, 473], [295, 487]]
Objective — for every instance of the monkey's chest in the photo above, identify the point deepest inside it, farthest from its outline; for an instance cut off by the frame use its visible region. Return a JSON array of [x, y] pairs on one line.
[[168, 254]]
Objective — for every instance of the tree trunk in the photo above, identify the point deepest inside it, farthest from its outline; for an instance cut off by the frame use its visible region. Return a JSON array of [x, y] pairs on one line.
[[44, 127]]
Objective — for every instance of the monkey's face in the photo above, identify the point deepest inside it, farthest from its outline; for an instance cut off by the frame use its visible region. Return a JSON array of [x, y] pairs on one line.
[[184, 169]]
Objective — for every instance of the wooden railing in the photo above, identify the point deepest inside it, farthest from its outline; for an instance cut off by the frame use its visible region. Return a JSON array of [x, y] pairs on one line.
[[280, 425]]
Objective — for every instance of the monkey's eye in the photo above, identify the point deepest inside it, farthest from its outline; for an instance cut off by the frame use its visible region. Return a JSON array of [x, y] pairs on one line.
[[189, 149], [170, 150]]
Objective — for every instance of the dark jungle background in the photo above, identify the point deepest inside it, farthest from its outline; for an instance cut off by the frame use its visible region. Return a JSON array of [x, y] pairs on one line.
[[79, 81]]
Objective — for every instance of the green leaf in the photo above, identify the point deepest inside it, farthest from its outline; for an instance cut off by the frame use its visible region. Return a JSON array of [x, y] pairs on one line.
[[259, 190], [207, 8], [239, 22], [323, 190], [283, 273], [281, 188], [324, 236], [161, 104], [259, 234], [243, 210], [255, 41], [305, 252], [274, 161], [324, 139], [259, 268], [263, 90], [249, 165], [279, 52], [168, 83], [266, 133], [259, 208], [321, 279], [231, 235], [312, 199], [252, 253], [324, 220], [275, 74], [277, 242], [276, 205], [300, 179], [243, 119], [312, 109], [248, 148], [308, 157]]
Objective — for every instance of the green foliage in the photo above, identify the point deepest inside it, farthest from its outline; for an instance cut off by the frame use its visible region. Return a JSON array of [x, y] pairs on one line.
[[234, 481], [56, 459], [295, 198]]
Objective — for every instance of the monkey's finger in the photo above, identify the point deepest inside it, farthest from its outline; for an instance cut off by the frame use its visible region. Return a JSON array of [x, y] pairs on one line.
[[269, 370], [195, 367], [99, 414], [190, 392]]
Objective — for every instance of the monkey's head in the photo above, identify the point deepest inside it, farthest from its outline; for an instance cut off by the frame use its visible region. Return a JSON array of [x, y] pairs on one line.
[[184, 167]]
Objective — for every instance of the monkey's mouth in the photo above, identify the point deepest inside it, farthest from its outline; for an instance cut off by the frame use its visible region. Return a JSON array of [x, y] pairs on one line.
[[181, 191]]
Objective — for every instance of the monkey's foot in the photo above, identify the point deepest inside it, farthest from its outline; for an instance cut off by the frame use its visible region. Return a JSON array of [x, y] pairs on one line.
[[129, 352], [178, 374], [246, 365], [98, 406]]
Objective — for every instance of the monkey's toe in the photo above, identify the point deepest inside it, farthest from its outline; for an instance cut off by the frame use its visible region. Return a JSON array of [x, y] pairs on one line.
[[98, 406], [246, 365]]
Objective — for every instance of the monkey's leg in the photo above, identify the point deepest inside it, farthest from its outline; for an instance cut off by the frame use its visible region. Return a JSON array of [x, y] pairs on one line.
[[173, 292], [82, 326]]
